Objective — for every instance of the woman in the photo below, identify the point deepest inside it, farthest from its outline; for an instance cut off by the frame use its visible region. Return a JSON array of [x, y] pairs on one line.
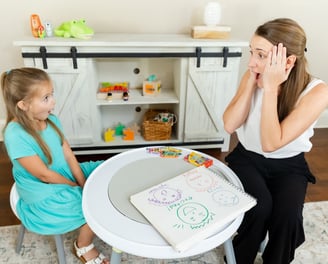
[[273, 112]]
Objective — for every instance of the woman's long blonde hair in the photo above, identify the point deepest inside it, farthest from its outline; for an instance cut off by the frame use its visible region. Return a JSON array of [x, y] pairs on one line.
[[292, 36], [20, 84]]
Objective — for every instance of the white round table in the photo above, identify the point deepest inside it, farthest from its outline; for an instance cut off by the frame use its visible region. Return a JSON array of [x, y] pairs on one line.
[[113, 218]]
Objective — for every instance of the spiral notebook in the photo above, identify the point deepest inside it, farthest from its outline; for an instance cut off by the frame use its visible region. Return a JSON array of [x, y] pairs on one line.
[[192, 206]]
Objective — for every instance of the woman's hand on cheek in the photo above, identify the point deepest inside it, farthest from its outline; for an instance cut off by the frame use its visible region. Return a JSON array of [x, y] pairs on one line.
[[275, 72], [252, 80]]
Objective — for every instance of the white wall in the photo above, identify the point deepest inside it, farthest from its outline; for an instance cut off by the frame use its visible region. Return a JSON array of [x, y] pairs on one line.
[[169, 16]]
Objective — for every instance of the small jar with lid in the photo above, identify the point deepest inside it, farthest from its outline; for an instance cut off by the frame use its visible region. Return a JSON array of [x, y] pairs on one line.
[[109, 97], [125, 96]]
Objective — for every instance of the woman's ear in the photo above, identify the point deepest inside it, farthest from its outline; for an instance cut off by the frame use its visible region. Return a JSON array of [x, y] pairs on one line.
[[22, 105], [290, 61]]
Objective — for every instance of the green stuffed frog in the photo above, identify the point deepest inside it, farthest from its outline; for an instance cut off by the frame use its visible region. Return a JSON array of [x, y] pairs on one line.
[[74, 29]]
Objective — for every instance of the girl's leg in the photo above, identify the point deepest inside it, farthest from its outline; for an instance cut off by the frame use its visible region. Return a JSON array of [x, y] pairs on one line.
[[86, 235], [84, 239]]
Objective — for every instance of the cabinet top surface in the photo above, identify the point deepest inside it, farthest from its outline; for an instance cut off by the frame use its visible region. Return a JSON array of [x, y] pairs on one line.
[[128, 40]]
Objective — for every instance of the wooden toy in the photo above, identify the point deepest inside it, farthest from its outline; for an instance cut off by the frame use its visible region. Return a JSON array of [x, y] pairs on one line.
[[41, 32], [109, 97], [151, 86], [128, 134], [119, 129], [49, 31], [106, 87], [109, 135], [125, 96], [136, 129], [36, 26]]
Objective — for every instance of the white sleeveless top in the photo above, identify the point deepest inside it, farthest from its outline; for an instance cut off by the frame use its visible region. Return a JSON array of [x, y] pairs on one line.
[[249, 132]]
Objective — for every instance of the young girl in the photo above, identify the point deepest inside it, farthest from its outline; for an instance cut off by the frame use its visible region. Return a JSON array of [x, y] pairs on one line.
[[274, 112], [48, 177]]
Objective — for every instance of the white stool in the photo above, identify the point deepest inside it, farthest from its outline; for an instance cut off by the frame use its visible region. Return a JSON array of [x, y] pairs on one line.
[[58, 238]]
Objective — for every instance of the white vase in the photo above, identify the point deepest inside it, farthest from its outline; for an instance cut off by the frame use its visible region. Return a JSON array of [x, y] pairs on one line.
[[212, 14]]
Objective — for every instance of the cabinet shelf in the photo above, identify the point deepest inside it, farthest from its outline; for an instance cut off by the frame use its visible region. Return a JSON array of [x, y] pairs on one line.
[[118, 141], [118, 145], [136, 97]]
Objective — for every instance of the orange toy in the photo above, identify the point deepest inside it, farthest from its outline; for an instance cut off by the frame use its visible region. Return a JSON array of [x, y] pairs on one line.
[[128, 134], [35, 23]]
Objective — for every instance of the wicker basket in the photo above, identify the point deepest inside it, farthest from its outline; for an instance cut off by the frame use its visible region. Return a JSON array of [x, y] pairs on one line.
[[154, 130]]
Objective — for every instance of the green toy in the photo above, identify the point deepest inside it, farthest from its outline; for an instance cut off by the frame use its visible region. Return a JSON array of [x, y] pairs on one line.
[[74, 29]]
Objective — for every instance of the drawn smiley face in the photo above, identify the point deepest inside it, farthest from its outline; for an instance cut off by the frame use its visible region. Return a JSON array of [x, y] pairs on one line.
[[193, 213], [225, 198], [164, 195], [201, 182]]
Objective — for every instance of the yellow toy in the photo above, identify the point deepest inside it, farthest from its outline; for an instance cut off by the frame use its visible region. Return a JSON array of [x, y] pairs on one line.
[[109, 135]]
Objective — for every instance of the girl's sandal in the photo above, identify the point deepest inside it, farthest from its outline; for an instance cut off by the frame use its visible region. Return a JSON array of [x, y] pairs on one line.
[[79, 252]]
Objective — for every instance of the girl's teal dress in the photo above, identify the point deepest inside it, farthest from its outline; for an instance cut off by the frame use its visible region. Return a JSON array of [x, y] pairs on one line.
[[45, 208]]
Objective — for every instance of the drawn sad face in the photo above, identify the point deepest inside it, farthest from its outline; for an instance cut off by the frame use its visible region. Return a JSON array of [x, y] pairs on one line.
[[193, 213]]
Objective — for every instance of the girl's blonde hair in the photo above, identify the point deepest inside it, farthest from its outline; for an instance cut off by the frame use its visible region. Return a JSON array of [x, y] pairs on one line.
[[21, 84], [292, 36]]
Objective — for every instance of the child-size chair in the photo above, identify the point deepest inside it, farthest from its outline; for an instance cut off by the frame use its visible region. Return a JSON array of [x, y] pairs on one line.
[[58, 238]]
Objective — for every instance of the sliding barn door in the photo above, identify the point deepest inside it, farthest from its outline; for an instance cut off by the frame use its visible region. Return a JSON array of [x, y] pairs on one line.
[[74, 91], [210, 87]]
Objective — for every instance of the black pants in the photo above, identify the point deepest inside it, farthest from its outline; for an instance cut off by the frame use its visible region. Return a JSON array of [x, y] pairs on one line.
[[279, 185]]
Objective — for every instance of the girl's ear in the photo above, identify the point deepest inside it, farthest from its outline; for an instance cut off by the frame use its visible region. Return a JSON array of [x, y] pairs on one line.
[[22, 105], [290, 61]]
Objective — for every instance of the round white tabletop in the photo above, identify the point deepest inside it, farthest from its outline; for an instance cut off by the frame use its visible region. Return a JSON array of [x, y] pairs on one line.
[[113, 218]]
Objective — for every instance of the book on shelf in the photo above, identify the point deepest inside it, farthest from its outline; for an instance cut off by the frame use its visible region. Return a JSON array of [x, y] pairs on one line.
[[192, 206]]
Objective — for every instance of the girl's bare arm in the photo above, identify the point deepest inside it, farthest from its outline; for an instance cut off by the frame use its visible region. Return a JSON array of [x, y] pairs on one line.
[[35, 166]]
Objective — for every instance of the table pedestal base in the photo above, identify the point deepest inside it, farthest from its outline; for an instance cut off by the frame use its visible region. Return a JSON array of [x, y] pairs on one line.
[[228, 249], [116, 256]]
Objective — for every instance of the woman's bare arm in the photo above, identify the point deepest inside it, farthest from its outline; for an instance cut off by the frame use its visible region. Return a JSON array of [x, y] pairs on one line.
[[237, 110]]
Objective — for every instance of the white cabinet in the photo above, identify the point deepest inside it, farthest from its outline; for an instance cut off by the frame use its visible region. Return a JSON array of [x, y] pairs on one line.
[[198, 78], [74, 99], [210, 88]]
